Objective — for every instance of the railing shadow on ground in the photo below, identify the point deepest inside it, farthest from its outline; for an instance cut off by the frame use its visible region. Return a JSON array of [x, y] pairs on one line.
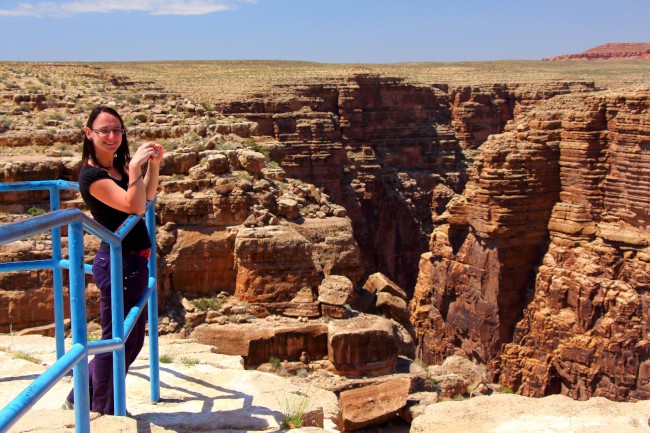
[[76, 358], [200, 420]]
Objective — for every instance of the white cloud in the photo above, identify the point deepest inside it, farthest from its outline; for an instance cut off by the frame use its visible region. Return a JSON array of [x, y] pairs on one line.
[[152, 7]]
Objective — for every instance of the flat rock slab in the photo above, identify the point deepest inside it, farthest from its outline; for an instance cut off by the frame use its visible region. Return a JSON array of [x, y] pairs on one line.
[[215, 395], [508, 413]]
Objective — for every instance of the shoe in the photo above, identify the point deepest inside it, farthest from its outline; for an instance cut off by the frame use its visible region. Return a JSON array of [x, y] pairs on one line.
[[67, 405]]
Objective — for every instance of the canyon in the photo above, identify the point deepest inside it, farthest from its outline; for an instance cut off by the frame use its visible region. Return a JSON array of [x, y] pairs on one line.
[[506, 223]]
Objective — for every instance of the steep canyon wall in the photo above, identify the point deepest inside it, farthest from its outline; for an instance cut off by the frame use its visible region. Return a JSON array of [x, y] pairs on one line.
[[541, 266]]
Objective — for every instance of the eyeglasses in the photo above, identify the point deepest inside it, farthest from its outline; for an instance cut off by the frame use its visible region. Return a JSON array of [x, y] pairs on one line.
[[105, 133]]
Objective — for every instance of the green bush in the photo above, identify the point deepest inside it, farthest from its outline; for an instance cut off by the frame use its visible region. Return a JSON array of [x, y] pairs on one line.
[[189, 361], [5, 124], [35, 211], [56, 116], [275, 363], [205, 304], [256, 147], [294, 406], [26, 356], [166, 358]]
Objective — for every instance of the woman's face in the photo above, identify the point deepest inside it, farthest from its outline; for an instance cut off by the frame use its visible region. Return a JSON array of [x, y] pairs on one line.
[[106, 134]]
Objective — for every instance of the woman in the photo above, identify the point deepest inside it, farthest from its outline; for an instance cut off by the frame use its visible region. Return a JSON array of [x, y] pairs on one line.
[[113, 185]]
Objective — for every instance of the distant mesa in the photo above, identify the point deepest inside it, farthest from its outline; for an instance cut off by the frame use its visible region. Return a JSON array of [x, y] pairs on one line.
[[614, 51]]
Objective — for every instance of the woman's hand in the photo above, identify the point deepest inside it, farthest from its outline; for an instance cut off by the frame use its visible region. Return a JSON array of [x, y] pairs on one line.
[[145, 153], [157, 153], [151, 179]]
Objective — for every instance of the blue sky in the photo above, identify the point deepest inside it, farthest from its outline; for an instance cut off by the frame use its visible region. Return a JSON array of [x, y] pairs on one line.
[[345, 31]]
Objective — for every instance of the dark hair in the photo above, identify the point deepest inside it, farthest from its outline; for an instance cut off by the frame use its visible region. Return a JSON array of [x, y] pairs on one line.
[[122, 156]]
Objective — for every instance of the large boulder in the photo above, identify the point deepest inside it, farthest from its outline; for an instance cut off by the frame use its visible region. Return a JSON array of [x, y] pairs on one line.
[[335, 290], [378, 283], [251, 161], [363, 345], [258, 341], [373, 404], [200, 262], [274, 264]]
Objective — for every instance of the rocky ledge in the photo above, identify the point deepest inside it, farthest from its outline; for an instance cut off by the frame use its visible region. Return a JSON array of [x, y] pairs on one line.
[[204, 391]]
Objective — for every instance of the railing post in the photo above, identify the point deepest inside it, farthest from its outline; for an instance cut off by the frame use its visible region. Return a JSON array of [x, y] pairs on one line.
[[117, 315], [79, 330], [57, 278], [154, 370]]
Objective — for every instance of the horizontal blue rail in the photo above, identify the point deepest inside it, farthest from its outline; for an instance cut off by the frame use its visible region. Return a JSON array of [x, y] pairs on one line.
[[77, 357]]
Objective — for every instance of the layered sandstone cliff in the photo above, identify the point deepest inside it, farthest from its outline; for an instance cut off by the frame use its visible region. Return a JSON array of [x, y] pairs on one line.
[[541, 266]]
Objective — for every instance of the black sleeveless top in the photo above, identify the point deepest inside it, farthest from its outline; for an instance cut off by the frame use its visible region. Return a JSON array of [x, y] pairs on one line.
[[111, 218]]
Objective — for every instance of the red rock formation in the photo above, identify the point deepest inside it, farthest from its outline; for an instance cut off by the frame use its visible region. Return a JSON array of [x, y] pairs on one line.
[[633, 50], [478, 111], [572, 173], [379, 147], [585, 332], [471, 286]]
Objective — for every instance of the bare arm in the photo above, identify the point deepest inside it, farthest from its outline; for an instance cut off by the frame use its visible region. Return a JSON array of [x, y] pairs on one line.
[[133, 200], [151, 178]]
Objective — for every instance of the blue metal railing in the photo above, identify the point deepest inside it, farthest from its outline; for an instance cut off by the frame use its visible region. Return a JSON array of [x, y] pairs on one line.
[[77, 357]]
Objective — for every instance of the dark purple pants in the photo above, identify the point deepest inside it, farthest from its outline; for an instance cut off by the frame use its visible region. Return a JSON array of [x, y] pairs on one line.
[[136, 277]]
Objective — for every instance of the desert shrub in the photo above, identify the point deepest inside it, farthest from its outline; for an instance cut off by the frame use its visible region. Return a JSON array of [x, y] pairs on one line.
[[189, 361], [35, 211], [169, 145], [5, 124], [26, 356], [132, 99], [169, 356], [293, 406], [275, 363], [250, 142], [244, 175], [205, 304], [56, 116]]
